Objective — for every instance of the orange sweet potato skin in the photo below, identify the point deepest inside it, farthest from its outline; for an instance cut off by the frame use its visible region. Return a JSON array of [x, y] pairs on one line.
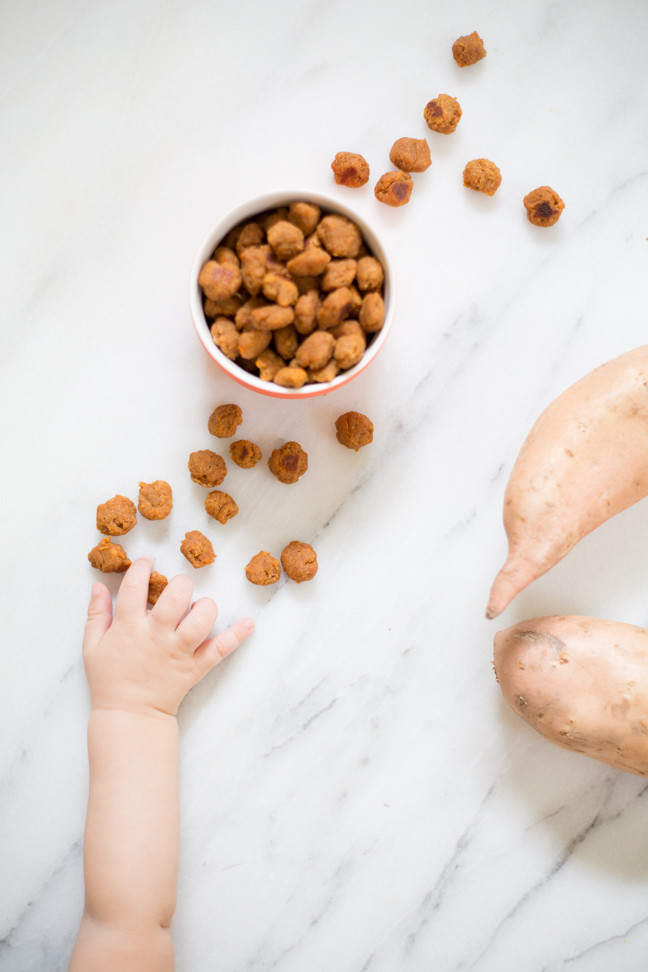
[[584, 460], [580, 682]]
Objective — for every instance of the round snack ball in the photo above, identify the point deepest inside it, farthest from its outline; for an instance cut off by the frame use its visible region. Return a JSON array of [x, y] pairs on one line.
[[224, 420], [442, 114], [372, 312], [349, 347], [268, 363], [339, 235], [197, 548], [157, 583], [543, 206], [291, 376], [312, 261], [483, 176], [219, 280], [250, 234], [207, 468], [350, 169], [339, 273], [245, 453], [315, 350], [299, 561], [220, 506], [263, 569], [394, 188], [327, 373], [225, 336], [369, 273], [305, 215], [116, 516], [109, 557], [288, 462], [410, 154], [468, 49], [155, 500], [267, 317], [354, 430], [335, 307], [286, 239], [279, 288]]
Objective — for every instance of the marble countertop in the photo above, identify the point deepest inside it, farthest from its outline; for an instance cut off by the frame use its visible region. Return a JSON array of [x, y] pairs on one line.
[[355, 793]]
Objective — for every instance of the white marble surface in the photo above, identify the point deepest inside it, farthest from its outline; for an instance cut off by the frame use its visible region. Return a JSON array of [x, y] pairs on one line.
[[355, 795]]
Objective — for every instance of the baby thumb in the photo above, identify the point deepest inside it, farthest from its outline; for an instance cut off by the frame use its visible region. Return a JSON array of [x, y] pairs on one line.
[[99, 613]]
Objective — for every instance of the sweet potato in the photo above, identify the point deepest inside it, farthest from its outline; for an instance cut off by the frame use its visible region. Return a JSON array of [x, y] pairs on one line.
[[582, 683], [584, 460]]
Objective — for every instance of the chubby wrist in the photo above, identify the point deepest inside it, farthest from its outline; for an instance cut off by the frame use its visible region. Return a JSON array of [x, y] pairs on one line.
[[131, 736], [136, 699], [133, 715]]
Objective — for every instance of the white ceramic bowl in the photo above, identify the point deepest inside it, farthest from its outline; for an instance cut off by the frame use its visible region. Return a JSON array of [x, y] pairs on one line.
[[247, 210]]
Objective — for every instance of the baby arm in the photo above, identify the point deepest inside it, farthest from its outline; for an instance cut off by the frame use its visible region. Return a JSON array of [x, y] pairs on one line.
[[140, 665]]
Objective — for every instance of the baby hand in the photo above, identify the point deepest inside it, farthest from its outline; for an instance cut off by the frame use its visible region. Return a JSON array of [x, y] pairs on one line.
[[147, 661]]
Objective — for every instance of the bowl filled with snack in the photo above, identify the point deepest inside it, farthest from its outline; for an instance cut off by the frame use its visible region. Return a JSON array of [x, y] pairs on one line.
[[292, 294]]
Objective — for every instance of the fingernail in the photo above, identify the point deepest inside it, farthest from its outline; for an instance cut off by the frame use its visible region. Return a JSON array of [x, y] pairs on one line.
[[94, 591], [248, 623]]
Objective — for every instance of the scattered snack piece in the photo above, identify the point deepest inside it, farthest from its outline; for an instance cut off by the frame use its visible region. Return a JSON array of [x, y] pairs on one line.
[[483, 176], [116, 516], [543, 206], [263, 569], [299, 269], [220, 506], [288, 462], [394, 188], [197, 548], [207, 468], [410, 154], [350, 169], [299, 561], [224, 420], [468, 49], [109, 557], [157, 583], [155, 500], [245, 453], [442, 114], [354, 430]]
